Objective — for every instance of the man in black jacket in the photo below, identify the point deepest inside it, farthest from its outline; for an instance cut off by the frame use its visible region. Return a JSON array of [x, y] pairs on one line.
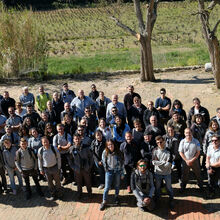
[[7, 102], [197, 108], [131, 155]]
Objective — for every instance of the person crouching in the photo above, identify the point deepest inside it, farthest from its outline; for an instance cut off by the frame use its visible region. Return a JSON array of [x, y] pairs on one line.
[[142, 186]]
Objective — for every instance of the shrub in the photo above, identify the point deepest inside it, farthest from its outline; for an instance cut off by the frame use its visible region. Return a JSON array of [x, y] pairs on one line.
[[23, 46]]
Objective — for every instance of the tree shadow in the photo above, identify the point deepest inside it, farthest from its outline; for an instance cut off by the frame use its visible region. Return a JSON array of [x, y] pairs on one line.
[[195, 80], [19, 200], [183, 206]]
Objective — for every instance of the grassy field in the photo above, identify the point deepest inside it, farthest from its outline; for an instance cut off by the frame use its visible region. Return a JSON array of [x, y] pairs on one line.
[[87, 40]]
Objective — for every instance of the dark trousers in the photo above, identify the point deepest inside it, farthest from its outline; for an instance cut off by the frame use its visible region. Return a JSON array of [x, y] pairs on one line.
[[65, 166], [52, 173], [213, 179], [86, 176], [26, 175], [185, 173], [178, 163], [3, 177], [128, 170]]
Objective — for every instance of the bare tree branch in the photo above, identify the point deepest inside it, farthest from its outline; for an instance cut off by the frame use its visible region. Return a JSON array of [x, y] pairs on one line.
[[139, 15], [215, 27], [125, 27]]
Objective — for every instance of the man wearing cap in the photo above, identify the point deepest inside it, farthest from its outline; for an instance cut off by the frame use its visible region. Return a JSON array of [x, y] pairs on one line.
[[67, 95], [129, 97], [26, 97], [163, 105], [213, 165], [189, 150]]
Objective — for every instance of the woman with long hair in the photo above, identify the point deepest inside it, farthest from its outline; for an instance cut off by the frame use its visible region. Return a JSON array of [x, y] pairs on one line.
[[113, 164]]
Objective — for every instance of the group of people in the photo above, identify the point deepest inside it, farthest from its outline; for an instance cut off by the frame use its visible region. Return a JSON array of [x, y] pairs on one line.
[[67, 138]]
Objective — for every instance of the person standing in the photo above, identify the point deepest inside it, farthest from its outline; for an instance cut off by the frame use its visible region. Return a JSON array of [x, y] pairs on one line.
[[213, 165], [189, 150], [162, 161], [113, 165], [66, 95], [9, 154], [6, 102], [41, 99], [163, 105], [49, 163], [129, 97], [26, 97], [26, 163], [81, 161]]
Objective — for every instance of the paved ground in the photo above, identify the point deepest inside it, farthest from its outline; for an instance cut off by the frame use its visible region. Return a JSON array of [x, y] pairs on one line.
[[190, 206]]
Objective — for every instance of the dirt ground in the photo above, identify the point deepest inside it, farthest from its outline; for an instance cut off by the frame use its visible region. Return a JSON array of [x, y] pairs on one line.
[[183, 85]]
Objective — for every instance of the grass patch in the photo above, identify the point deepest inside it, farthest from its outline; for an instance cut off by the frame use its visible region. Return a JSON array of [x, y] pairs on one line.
[[127, 60]]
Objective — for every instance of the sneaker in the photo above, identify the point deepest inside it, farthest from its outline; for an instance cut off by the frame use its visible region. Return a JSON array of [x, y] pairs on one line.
[[102, 186], [143, 209], [14, 191], [102, 206], [129, 189], [117, 201]]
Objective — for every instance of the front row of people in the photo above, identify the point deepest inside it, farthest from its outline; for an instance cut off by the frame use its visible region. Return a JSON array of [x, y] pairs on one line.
[[113, 162]]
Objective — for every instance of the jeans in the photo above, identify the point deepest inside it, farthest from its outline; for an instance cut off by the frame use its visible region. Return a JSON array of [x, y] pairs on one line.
[[167, 178], [111, 176], [11, 173], [101, 172]]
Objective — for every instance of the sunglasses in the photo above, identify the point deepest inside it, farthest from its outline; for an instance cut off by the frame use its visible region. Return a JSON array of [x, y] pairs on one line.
[[214, 141], [144, 165], [159, 142], [80, 130]]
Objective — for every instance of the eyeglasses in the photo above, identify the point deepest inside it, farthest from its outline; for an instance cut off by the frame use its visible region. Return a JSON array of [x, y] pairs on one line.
[[162, 93], [114, 110], [143, 165], [214, 141]]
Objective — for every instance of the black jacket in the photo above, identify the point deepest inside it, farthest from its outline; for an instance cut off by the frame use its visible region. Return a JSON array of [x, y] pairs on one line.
[[131, 153], [203, 111], [97, 149], [148, 114]]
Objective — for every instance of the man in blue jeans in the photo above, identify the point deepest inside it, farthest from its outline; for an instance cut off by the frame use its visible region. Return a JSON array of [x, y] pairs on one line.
[[162, 161]]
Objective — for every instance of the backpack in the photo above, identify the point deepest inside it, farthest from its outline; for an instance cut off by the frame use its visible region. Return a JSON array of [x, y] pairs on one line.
[[38, 97], [52, 148], [31, 153]]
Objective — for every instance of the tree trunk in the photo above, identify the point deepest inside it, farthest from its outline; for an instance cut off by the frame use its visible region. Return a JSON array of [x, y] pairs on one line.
[[211, 42], [215, 60], [147, 69]]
